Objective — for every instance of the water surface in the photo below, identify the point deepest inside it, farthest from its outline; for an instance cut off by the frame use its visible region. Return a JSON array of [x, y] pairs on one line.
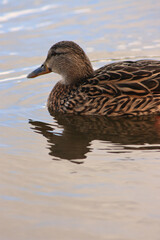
[[75, 177]]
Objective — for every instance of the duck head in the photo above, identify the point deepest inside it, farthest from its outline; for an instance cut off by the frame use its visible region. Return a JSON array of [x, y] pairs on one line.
[[67, 59]]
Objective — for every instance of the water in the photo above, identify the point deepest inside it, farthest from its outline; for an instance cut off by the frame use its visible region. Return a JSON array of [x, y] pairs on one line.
[[75, 177]]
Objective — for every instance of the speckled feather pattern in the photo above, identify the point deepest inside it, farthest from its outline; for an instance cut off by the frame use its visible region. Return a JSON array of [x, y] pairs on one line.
[[122, 88]]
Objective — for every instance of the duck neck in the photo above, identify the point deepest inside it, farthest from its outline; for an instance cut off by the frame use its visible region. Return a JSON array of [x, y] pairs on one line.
[[78, 73]]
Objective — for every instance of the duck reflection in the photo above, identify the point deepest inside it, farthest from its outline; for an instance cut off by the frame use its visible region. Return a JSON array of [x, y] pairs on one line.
[[70, 137]]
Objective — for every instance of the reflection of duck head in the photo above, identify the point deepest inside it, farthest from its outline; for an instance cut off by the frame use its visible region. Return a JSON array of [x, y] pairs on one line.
[[70, 144], [79, 131]]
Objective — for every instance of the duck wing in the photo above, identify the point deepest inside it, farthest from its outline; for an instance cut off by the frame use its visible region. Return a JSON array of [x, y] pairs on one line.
[[138, 78], [122, 88], [128, 70]]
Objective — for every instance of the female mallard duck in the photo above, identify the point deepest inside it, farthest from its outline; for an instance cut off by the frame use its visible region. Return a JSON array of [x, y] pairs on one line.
[[122, 88]]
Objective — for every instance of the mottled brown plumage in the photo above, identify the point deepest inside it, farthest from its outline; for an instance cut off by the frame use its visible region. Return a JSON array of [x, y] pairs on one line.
[[122, 88]]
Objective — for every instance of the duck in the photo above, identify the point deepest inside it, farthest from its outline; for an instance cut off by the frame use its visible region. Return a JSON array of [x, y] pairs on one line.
[[129, 88]]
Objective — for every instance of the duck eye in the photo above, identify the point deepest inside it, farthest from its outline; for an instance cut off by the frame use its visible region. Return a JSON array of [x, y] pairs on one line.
[[51, 54], [54, 54]]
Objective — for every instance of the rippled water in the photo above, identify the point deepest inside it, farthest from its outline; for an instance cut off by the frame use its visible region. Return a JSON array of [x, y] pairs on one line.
[[75, 177]]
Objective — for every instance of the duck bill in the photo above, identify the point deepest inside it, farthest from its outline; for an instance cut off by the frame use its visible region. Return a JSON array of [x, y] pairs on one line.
[[39, 71]]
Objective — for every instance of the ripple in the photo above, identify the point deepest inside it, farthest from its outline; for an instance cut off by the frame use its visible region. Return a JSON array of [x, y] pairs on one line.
[[9, 198], [134, 43], [149, 47], [16, 29], [13, 78], [24, 28], [16, 14], [133, 57], [16, 71], [4, 2], [7, 72], [83, 10]]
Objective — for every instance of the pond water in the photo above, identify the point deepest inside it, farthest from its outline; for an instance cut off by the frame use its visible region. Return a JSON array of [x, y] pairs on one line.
[[75, 177]]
